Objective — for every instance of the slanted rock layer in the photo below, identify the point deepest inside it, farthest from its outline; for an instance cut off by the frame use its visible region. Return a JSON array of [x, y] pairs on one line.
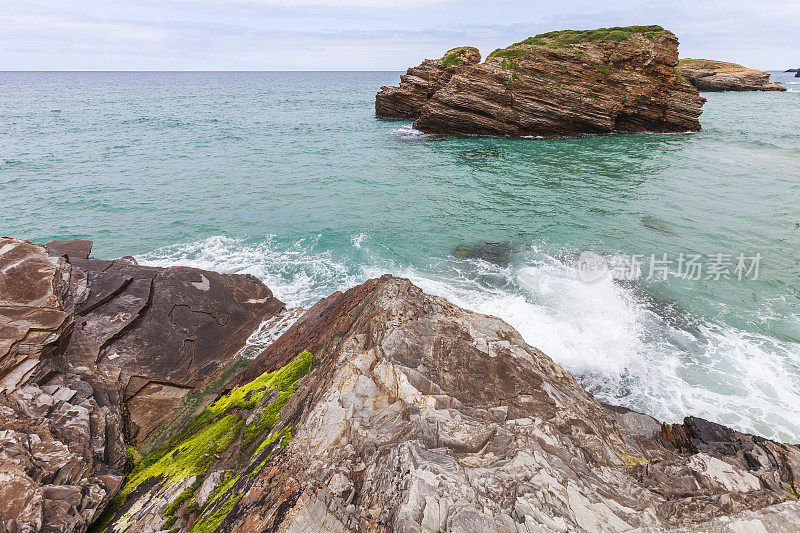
[[417, 415], [709, 75], [564, 83], [420, 83]]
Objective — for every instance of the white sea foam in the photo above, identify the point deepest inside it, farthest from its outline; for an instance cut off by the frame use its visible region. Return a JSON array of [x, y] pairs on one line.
[[407, 131], [356, 240], [607, 336], [298, 274], [626, 354]]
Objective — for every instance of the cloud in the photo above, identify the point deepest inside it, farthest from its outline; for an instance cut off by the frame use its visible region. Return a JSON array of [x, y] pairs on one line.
[[357, 34]]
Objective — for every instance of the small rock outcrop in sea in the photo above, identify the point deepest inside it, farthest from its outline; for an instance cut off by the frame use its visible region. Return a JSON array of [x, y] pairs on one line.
[[385, 409], [710, 75], [566, 83], [419, 83], [95, 355], [498, 253]]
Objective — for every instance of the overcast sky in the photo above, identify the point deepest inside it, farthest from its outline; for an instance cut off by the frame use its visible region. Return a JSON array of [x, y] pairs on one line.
[[360, 34]]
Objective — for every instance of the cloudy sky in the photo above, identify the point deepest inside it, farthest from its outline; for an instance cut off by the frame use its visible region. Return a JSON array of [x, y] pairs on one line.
[[360, 34]]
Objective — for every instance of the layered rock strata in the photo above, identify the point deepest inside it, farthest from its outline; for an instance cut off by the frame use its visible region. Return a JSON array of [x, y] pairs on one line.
[[709, 75], [415, 415], [94, 355], [566, 83], [419, 83]]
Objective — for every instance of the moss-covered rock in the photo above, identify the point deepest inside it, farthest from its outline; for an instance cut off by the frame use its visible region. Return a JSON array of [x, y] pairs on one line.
[[161, 489]]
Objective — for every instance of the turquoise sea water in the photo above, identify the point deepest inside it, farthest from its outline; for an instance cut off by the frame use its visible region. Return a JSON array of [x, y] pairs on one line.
[[289, 176]]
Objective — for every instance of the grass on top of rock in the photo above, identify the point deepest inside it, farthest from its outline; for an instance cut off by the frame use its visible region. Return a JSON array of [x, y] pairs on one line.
[[453, 56], [451, 60], [561, 38]]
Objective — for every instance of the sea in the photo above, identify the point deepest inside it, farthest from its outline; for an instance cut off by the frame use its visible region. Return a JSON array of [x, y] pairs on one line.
[[662, 270]]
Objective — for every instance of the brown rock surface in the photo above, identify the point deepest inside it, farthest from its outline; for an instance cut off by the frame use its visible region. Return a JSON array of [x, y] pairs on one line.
[[417, 415], [563, 83], [74, 249], [91, 348], [709, 75], [419, 83]]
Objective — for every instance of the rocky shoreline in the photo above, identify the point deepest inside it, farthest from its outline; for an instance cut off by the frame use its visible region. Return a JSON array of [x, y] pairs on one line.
[[127, 407], [710, 75], [554, 84]]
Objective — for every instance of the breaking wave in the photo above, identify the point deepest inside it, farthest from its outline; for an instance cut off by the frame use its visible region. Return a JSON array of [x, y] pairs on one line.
[[617, 343]]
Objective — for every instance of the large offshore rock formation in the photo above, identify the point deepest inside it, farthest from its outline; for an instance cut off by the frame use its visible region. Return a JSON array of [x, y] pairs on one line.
[[385, 409], [94, 355], [567, 83], [419, 83], [709, 75]]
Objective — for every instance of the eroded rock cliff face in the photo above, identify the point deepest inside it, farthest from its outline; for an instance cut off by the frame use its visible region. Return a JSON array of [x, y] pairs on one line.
[[709, 75], [385, 409], [95, 355], [568, 83], [419, 83]]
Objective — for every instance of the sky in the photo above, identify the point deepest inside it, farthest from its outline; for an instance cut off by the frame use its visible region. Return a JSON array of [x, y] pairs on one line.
[[361, 34]]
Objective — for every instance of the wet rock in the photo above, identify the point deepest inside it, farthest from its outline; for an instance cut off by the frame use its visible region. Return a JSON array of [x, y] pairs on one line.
[[709, 75], [74, 249], [568, 83], [163, 332], [498, 253], [419, 83]]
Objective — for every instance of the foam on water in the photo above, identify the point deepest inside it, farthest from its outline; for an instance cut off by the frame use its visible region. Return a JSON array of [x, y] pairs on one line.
[[605, 333], [299, 273], [349, 196]]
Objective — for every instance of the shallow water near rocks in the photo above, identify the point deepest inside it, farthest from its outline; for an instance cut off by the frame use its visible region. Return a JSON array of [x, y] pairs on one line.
[[290, 177]]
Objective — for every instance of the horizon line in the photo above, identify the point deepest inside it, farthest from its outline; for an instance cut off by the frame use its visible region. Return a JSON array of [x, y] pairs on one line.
[[208, 70], [778, 70]]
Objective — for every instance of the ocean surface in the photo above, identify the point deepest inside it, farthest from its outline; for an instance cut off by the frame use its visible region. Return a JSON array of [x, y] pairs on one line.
[[290, 177]]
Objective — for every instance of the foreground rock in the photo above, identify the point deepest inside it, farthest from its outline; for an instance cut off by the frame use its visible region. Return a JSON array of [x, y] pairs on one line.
[[385, 409], [566, 83], [419, 83], [95, 355], [709, 75]]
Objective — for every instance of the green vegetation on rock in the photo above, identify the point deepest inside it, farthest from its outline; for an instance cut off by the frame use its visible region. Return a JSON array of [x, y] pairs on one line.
[[134, 457], [617, 33], [196, 447], [451, 60], [562, 38], [453, 56], [207, 524], [285, 381]]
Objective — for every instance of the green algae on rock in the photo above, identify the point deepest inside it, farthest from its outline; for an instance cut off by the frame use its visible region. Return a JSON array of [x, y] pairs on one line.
[[223, 435]]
